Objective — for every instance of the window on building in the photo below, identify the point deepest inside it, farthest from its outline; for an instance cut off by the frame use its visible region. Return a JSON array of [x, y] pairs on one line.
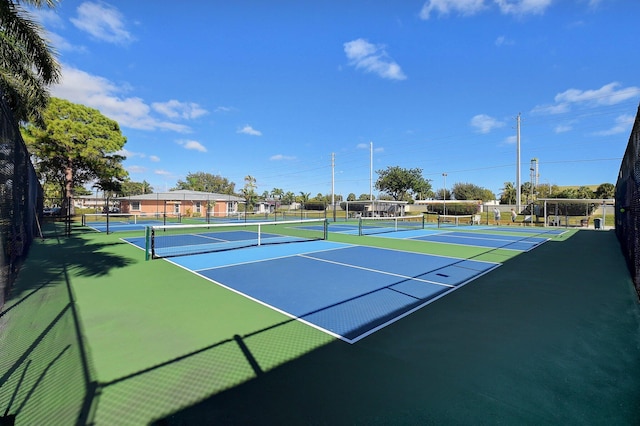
[[135, 206]]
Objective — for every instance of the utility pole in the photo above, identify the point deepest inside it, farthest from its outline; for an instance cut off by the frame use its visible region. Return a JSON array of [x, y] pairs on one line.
[[518, 193], [333, 184], [370, 171]]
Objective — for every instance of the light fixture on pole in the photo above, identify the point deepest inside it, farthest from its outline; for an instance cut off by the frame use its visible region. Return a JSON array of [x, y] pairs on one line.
[[444, 194]]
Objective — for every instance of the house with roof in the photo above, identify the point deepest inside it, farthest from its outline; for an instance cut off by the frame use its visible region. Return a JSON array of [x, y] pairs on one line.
[[182, 203]]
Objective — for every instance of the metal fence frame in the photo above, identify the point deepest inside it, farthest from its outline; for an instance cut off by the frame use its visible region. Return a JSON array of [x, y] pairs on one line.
[[20, 200], [627, 212]]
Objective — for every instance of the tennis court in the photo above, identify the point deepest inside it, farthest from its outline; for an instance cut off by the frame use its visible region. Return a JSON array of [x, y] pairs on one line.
[[347, 291], [275, 333], [507, 238], [126, 222]]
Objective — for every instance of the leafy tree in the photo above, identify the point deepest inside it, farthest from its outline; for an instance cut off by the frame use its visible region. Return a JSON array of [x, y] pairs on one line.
[[351, 197], [442, 194], [567, 193], [469, 191], [206, 182], [547, 190], [27, 63], [81, 190], [136, 188], [400, 183], [249, 192], [605, 190], [364, 197], [76, 145], [585, 192]]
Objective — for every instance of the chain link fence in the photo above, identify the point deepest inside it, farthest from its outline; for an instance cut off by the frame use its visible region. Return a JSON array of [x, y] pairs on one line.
[[20, 201], [627, 212]]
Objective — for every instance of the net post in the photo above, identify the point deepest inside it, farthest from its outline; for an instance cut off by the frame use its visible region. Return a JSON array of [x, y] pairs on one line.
[[259, 233], [423, 221], [147, 242], [326, 230], [360, 226]]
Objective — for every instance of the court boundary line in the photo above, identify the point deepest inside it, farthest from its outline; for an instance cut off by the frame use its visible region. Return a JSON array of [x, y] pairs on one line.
[[267, 259], [502, 247], [418, 307], [379, 271]]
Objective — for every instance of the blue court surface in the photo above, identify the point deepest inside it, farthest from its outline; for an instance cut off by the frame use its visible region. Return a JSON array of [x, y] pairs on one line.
[[492, 240], [344, 290], [123, 225]]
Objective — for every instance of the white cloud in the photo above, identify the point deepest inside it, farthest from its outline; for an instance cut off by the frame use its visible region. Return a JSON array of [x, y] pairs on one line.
[[163, 173], [47, 17], [177, 109], [503, 41], [102, 21], [60, 44], [154, 158], [623, 124], [472, 7], [523, 7], [609, 94], [444, 7], [136, 169], [280, 157], [80, 87], [129, 154], [484, 123], [223, 109], [563, 128], [372, 58], [248, 130], [368, 146], [192, 145]]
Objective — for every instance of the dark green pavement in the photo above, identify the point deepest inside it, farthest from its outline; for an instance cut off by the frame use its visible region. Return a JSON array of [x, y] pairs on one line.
[[94, 334]]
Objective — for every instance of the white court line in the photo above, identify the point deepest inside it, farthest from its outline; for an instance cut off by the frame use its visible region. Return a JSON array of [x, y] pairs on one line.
[[348, 265]]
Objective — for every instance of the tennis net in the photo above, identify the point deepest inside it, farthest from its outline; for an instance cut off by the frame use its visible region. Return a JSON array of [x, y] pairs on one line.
[[445, 220], [90, 219], [181, 240], [379, 225]]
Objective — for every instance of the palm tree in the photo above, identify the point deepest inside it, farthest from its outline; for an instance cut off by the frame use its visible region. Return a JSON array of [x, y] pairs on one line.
[[146, 187], [508, 193], [27, 62]]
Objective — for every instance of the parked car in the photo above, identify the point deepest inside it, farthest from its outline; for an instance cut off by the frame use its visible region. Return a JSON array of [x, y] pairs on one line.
[[52, 211]]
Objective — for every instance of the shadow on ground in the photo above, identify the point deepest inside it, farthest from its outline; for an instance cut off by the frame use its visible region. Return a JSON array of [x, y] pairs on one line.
[[550, 338], [45, 370]]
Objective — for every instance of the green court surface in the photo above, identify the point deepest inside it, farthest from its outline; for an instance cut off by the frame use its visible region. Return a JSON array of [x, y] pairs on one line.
[[94, 334]]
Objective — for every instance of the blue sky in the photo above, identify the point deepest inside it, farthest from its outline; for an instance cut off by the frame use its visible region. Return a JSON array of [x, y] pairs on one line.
[[273, 89]]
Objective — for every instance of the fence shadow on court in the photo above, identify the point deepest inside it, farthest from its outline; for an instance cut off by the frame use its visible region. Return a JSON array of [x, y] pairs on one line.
[[510, 345], [45, 373], [418, 369]]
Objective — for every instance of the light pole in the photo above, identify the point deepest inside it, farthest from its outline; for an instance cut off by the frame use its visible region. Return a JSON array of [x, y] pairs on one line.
[[444, 194]]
